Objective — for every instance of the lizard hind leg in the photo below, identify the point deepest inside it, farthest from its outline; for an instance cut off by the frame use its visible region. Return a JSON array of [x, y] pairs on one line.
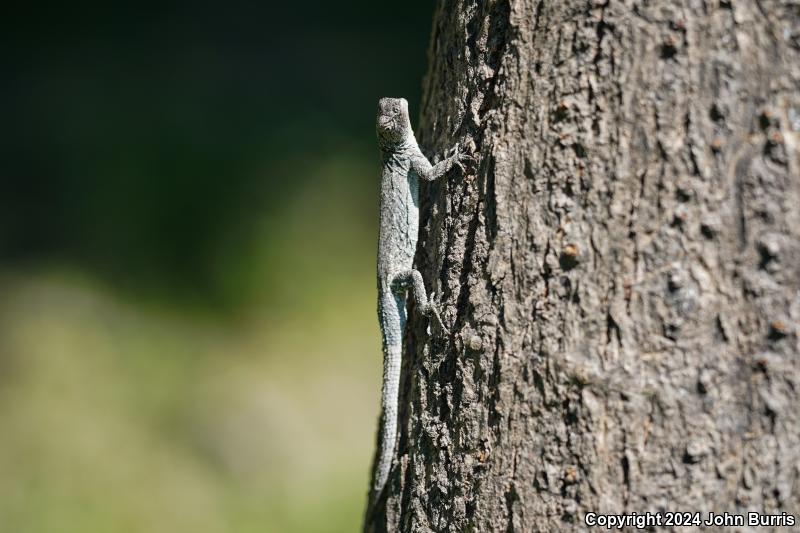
[[428, 307]]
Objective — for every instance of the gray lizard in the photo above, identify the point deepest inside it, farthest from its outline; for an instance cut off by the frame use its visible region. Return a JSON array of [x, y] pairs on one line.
[[402, 166]]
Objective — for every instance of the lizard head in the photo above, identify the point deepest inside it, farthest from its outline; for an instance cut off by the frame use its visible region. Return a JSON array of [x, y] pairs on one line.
[[393, 122]]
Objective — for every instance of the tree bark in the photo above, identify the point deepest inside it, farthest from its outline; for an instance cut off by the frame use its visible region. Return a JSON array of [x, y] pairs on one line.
[[620, 272]]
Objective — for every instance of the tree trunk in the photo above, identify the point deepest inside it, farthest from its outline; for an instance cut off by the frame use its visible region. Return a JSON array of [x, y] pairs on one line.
[[620, 272]]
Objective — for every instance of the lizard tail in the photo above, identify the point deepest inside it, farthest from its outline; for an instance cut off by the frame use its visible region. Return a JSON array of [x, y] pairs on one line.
[[391, 386]]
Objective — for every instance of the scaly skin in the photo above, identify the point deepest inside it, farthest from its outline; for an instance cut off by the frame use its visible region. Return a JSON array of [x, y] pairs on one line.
[[402, 166]]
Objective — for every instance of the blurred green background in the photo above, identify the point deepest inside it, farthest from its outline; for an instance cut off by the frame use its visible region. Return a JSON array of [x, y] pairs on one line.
[[188, 224]]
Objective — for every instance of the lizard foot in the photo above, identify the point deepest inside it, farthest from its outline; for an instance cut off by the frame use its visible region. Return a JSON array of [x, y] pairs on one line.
[[432, 309], [459, 158]]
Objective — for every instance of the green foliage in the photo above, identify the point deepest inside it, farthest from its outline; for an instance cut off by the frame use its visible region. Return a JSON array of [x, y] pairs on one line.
[[119, 418]]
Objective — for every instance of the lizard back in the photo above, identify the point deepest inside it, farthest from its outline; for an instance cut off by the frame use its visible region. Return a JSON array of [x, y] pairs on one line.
[[399, 214]]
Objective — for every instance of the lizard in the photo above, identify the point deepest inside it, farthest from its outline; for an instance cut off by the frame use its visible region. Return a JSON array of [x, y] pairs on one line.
[[402, 166]]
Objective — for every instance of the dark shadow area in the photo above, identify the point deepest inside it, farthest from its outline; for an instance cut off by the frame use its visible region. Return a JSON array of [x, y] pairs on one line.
[[140, 139]]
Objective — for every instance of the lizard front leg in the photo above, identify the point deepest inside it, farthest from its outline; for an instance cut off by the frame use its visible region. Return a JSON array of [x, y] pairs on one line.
[[429, 172], [413, 279]]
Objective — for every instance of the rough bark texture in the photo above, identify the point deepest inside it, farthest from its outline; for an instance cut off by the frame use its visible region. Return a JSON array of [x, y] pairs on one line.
[[621, 272]]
